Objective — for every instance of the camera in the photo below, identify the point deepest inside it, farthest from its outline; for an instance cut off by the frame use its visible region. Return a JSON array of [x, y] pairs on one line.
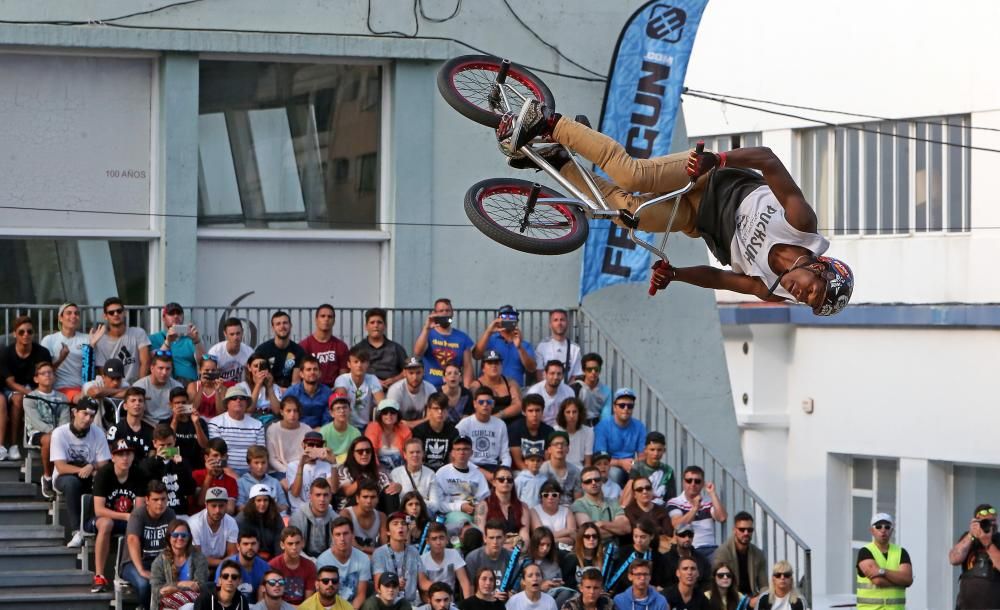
[[181, 329], [508, 324], [986, 525], [212, 375], [442, 320]]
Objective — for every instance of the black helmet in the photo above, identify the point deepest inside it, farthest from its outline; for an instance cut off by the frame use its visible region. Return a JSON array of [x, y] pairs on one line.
[[839, 285]]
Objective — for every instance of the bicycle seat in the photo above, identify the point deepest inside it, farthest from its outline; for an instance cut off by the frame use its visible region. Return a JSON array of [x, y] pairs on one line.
[[583, 120]]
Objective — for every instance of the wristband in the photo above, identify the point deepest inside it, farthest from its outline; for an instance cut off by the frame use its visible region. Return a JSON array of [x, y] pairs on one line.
[[722, 159]]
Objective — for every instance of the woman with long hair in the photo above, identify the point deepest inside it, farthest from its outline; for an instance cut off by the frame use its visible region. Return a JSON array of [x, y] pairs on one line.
[[485, 584], [503, 505], [284, 439], [588, 552], [260, 515], [642, 507], [782, 595], [387, 434], [581, 437], [543, 552], [553, 515], [361, 465], [412, 503], [459, 397], [206, 393], [506, 392], [722, 593], [180, 573]]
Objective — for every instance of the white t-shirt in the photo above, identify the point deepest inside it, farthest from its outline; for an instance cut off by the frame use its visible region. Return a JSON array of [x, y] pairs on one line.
[[550, 349], [310, 472], [411, 406], [90, 449], [551, 402], [238, 434], [554, 522], [458, 487], [581, 444], [362, 397], [126, 348], [444, 571], [426, 486], [704, 520], [213, 544], [231, 368], [356, 570], [489, 440], [521, 602], [70, 372]]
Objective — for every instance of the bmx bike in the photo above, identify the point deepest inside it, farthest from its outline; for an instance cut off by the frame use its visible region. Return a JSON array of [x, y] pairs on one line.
[[520, 214]]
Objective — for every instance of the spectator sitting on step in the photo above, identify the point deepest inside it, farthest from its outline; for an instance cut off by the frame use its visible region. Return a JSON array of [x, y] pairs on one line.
[[370, 526], [398, 558], [115, 339], [339, 432], [596, 396], [559, 347], [387, 434], [506, 392], [386, 356], [66, 349], [157, 386], [529, 481], [207, 393], [260, 515], [180, 572], [108, 389], [621, 436], [458, 396], [118, 488], [213, 531], [168, 464], [437, 432], [43, 413], [232, 354], [692, 506], [327, 596], [528, 431], [314, 518], [651, 467], [182, 340], [412, 475], [17, 369], [329, 351], [411, 393], [257, 475], [561, 471], [581, 436], [362, 388], [361, 465], [146, 537], [491, 448], [642, 507], [214, 475], [225, 595], [252, 566], [284, 439], [237, 429], [190, 429], [265, 395], [133, 427], [312, 394], [552, 390], [611, 489], [503, 335], [315, 463], [299, 571], [77, 450], [283, 355], [353, 566], [440, 344]]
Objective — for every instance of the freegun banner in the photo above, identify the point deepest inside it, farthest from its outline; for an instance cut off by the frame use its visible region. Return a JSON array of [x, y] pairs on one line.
[[640, 104]]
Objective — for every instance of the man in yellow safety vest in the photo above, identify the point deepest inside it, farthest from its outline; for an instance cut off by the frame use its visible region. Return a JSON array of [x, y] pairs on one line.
[[884, 569]]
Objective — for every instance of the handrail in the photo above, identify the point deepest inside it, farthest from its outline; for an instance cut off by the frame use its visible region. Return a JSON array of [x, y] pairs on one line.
[[775, 537]]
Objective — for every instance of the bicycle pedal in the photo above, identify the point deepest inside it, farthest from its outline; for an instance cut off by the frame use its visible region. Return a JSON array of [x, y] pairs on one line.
[[583, 120]]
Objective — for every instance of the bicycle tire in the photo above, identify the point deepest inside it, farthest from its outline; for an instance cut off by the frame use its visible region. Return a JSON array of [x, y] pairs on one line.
[[468, 93], [496, 207]]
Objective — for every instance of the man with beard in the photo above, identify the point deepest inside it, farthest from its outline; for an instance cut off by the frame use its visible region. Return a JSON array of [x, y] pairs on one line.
[[439, 344], [273, 592], [253, 569], [283, 355], [329, 350]]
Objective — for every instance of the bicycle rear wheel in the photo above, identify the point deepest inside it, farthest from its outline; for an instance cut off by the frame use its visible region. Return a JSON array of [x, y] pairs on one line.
[[497, 207], [468, 84]]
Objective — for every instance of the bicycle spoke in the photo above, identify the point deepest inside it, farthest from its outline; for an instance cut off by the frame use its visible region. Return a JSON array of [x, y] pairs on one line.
[[507, 210], [476, 84]]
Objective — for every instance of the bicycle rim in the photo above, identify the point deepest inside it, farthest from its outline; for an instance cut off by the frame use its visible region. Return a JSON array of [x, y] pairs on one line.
[[468, 85]]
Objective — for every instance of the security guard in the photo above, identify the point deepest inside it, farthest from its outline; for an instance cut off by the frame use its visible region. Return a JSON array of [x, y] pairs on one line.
[[884, 569]]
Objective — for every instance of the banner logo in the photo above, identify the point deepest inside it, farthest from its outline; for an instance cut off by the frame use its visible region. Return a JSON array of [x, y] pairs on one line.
[[666, 23]]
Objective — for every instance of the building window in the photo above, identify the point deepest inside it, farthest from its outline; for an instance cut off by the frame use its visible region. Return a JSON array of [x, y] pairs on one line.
[[873, 491], [725, 143], [275, 143], [53, 271], [889, 177]]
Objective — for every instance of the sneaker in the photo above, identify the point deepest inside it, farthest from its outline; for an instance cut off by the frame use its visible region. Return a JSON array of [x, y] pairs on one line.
[[514, 132], [555, 154], [47, 490], [77, 540], [101, 584], [3, 453], [14, 454]]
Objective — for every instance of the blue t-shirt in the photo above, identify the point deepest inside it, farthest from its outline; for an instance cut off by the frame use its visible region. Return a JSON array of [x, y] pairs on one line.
[[443, 350], [183, 350], [512, 366], [251, 579], [619, 442], [315, 412]]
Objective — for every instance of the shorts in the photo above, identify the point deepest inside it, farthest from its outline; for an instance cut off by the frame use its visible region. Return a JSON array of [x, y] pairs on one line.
[[35, 440], [118, 529]]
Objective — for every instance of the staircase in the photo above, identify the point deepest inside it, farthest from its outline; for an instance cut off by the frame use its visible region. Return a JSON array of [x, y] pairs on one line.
[[36, 568]]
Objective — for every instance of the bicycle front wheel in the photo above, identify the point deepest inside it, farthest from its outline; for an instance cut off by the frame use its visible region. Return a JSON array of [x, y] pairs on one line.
[[468, 84], [497, 207]]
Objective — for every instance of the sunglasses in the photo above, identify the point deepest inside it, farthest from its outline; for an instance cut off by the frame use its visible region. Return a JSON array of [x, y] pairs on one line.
[[592, 481], [745, 530], [115, 312], [882, 526], [987, 512], [590, 536], [275, 582], [642, 488], [210, 357], [693, 481], [362, 451], [725, 575], [782, 574], [25, 331], [592, 369], [484, 401], [164, 353], [229, 576], [685, 534], [503, 479], [328, 581], [180, 535], [628, 406], [550, 494]]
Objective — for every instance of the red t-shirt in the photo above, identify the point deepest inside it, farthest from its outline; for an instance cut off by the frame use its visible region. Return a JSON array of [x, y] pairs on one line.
[[226, 481], [332, 356], [297, 581]]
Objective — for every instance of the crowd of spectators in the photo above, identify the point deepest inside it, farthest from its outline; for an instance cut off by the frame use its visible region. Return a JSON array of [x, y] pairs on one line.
[[313, 474]]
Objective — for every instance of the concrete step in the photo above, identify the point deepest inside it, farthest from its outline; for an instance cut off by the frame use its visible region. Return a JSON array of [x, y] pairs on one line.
[[37, 558], [24, 512], [10, 472], [32, 535], [42, 578], [15, 489], [64, 597]]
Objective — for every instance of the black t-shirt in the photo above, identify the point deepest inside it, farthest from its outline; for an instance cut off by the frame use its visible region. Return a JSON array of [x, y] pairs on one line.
[[209, 600], [176, 477], [386, 361], [437, 445], [281, 360], [522, 438], [698, 600], [979, 583], [187, 441], [670, 560], [118, 496], [22, 369], [864, 554], [141, 440], [474, 603], [743, 571]]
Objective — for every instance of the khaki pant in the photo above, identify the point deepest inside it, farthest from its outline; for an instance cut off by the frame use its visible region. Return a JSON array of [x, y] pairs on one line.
[[651, 177]]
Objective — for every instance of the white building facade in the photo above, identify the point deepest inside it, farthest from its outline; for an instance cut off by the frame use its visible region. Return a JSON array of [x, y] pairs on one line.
[[886, 407]]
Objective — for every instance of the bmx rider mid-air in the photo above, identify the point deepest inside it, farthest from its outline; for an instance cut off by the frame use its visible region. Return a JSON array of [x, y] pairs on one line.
[[758, 224]]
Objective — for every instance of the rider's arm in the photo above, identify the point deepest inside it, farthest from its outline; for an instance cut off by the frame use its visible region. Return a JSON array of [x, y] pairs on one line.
[[706, 276], [798, 212]]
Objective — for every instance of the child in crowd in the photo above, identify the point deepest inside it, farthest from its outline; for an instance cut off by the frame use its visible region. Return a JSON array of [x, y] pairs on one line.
[[612, 490], [530, 480], [257, 461], [42, 414]]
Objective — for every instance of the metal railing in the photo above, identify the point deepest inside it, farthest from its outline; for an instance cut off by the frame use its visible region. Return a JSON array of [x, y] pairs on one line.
[[772, 535]]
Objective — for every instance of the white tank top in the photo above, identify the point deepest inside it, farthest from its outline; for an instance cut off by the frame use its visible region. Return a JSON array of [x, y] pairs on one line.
[[760, 225], [556, 522]]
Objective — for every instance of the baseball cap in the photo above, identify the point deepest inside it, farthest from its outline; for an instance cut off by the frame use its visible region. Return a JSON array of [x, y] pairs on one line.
[[63, 307], [629, 392], [258, 490], [387, 403], [388, 579], [883, 517], [413, 362], [121, 446], [113, 368], [597, 457], [236, 392], [173, 308], [216, 494], [462, 440], [533, 451], [508, 312], [87, 402], [492, 356], [683, 527], [398, 515], [313, 436], [557, 434], [338, 397]]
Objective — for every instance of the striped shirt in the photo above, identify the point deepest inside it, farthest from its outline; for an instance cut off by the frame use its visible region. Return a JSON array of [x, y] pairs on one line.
[[239, 435]]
